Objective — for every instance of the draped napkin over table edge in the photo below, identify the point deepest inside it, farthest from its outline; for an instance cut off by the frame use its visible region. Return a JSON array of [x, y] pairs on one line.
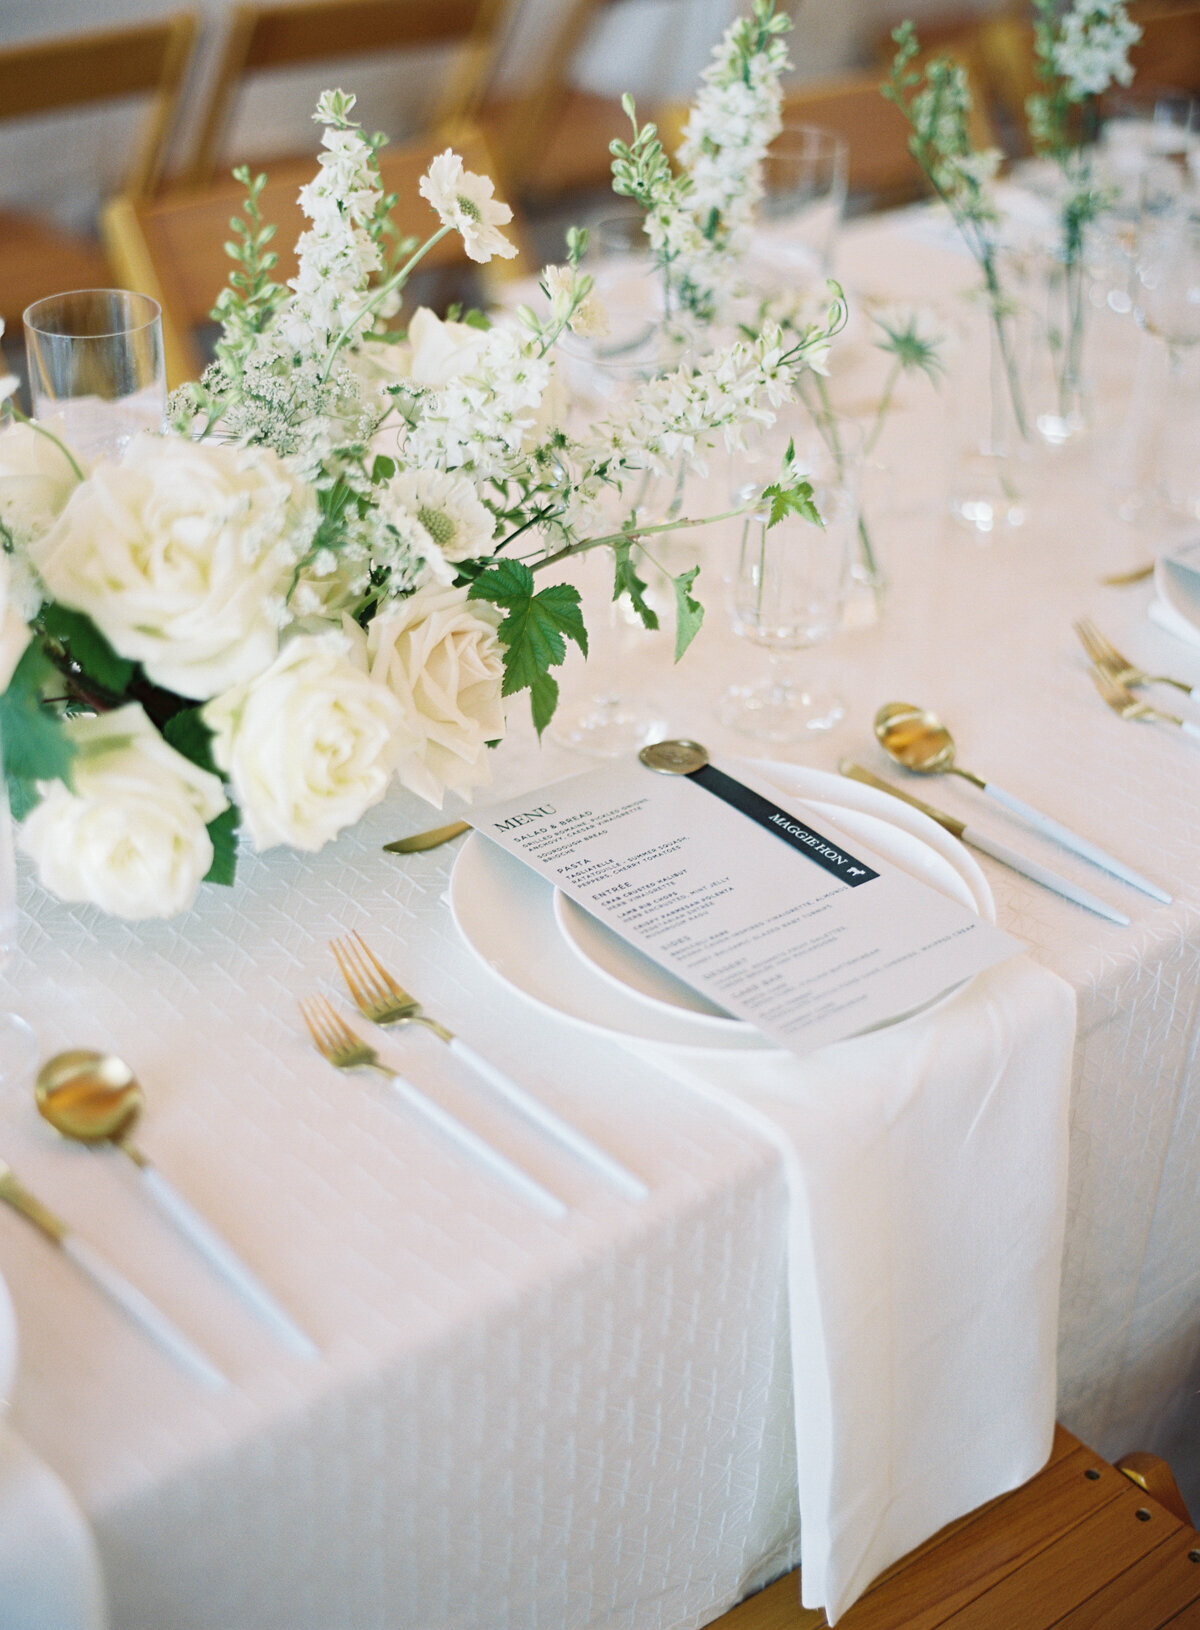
[[927, 1168]]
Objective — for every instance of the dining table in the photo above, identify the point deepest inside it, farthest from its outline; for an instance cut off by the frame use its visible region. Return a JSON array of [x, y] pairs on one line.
[[588, 1421]]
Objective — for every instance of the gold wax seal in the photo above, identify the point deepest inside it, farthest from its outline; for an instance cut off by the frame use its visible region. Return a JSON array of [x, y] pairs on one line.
[[674, 757]]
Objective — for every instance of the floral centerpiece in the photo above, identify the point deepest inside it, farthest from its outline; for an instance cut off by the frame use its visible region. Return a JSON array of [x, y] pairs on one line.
[[322, 577]]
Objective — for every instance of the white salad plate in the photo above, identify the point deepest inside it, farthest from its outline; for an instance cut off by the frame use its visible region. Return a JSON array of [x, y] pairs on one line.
[[565, 960]]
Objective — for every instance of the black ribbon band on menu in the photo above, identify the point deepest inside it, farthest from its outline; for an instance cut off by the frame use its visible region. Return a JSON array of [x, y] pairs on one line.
[[783, 825]]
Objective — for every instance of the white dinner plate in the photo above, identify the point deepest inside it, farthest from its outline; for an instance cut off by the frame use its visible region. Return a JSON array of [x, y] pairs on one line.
[[506, 913]]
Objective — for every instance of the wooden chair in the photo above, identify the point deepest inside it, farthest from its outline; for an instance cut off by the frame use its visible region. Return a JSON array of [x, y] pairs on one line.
[[1167, 57], [172, 246], [554, 140], [284, 35], [37, 258], [1078, 1547]]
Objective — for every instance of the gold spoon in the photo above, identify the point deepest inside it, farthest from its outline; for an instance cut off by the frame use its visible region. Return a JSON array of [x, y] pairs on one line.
[[917, 739], [95, 1098]]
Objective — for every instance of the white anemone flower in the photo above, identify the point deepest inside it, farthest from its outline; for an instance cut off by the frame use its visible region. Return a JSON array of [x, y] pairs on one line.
[[464, 201], [455, 525]]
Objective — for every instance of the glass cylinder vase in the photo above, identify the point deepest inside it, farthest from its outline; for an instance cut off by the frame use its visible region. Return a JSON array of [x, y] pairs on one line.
[[990, 426]]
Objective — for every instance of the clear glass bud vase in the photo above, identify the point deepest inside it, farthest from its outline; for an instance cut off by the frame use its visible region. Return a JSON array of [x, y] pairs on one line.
[[990, 428]]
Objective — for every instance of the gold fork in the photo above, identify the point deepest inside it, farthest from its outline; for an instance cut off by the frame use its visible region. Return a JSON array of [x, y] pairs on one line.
[[335, 1041], [381, 999], [1129, 706], [1105, 655]]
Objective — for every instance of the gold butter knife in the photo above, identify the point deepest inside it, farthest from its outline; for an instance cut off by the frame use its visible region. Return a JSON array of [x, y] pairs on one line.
[[427, 840]]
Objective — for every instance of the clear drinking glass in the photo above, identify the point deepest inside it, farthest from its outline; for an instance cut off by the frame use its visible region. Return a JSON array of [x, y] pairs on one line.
[[18, 1046], [788, 592], [804, 179], [96, 373]]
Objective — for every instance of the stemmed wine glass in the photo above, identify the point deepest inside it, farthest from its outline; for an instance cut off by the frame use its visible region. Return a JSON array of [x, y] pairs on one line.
[[1166, 302], [18, 1046], [789, 592], [604, 375]]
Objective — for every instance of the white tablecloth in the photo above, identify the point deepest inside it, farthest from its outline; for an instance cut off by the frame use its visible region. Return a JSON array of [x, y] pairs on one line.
[[516, 1423]]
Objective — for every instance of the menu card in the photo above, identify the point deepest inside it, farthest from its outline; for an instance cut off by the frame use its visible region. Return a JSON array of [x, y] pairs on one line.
[[773, 913]]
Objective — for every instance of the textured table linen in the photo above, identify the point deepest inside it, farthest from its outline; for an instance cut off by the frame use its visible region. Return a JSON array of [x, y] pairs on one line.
[[518, 1424]]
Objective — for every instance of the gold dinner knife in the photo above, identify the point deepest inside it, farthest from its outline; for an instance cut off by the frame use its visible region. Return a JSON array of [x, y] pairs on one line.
[[1032, 869], [114, 1285]]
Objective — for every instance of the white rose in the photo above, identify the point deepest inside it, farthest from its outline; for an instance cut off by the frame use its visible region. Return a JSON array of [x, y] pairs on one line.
[[438, 653], [130, 838], [36, 479], [309, 744], [14, 630], [181, 553], [441, 351]]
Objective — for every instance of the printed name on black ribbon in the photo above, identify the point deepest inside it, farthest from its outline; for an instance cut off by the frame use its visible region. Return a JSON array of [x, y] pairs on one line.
[[784, 826]]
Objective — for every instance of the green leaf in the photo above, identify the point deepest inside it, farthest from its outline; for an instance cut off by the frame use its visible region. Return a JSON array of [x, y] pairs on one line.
[[86, 645], [223, 832], [543, 699], [792, 500], [36, 746], [535, 631], [383, 469], [689, 613], [188, 734], [627, 581], [507, 583]]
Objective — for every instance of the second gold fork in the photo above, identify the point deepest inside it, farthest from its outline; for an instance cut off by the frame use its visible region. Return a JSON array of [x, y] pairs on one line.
[[1105, 655], [379, 997], [1129, 706]]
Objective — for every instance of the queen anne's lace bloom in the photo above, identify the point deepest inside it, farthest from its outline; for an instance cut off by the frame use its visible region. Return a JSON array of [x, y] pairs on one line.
[[464, 201]]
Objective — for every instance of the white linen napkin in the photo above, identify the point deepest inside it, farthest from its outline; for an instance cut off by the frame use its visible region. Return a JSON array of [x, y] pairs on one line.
[[49, 1567], [927, 1167]]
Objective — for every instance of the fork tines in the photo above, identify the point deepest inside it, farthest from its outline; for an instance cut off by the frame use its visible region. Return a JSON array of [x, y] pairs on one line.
[[329, 1031], [368, 980]]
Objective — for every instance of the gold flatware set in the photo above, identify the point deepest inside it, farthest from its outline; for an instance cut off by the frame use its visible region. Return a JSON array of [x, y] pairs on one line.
[[380, 998], [94, 1098]]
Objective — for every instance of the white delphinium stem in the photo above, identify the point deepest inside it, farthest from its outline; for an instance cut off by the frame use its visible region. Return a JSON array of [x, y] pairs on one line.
[[698, 220]]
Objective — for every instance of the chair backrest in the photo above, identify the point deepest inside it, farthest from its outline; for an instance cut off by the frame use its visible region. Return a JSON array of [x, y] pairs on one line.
[[266, 37], [874, 130], [172, 247], [152, 59], [1167, 57]]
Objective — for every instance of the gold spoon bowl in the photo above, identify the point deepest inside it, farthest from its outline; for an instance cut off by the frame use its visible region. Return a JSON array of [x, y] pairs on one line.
[[917, 739], [92, 1098]]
